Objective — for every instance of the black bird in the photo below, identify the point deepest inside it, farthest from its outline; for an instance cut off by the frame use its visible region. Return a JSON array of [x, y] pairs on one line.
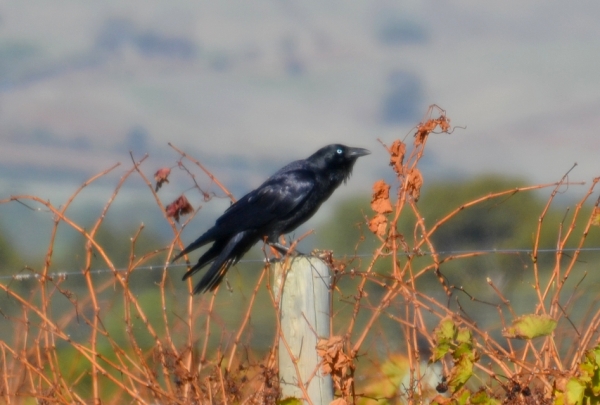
[[281, 204]]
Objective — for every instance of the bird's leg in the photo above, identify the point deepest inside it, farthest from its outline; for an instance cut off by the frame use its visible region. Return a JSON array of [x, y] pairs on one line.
[[284, 250]]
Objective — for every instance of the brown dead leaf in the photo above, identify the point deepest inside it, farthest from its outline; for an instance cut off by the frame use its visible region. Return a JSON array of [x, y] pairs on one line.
[[181, 206], [161, 176], [380, 202], [378, 224], [444, 123], [424, 129], [329, 348], [414, 183], [336, 362], [347, 384], [397, 152]]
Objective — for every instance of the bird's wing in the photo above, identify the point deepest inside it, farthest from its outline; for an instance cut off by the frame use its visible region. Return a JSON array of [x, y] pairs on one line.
[[275, 199]]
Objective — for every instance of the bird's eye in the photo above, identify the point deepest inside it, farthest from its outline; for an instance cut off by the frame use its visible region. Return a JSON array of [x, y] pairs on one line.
[[339, 151]]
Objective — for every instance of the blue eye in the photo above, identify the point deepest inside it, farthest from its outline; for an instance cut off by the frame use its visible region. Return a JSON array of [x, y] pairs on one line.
[[339, 151]]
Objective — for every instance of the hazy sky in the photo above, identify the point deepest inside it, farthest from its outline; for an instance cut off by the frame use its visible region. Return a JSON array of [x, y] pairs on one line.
[[249, 86]]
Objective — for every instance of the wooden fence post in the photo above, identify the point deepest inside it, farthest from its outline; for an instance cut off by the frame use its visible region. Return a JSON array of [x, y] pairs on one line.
[[304, 312]]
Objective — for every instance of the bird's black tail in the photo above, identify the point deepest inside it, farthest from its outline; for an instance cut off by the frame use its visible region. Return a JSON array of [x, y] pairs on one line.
[[223, 254], [207, 237], [209, 256]]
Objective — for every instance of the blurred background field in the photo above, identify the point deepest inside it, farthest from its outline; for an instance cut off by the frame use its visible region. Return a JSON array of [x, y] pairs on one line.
[[142, 316], [246, 88], [82, 84]]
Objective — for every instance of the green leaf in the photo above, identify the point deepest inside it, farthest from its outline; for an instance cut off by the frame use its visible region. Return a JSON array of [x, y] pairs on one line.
[[530, 326], [290, 401], [443, 335], [464, 336], [482, 397], [459, 398], [465, 344], [445, 330], [588, 370], [574, 392], [463, 397], [440, 351], [463, 349], [460, 373]]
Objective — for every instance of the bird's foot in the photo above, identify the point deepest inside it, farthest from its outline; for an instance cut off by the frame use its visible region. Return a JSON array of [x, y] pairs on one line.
[[284, 251]]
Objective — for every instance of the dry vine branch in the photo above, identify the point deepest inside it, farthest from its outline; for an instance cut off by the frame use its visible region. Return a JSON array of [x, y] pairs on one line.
[[164, 345]]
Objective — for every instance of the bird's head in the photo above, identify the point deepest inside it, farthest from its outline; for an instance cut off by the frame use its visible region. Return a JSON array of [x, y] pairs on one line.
[[338, 158]]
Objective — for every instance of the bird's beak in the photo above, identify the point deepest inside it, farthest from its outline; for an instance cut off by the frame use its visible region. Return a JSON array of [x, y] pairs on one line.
[[358, 152]]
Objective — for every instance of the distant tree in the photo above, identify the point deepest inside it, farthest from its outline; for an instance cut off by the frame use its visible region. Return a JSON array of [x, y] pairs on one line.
[[116, 33], [395, 31], [116, 241], [502, 223], [9, 258], [498, 223], [151, 43], [345, 231]]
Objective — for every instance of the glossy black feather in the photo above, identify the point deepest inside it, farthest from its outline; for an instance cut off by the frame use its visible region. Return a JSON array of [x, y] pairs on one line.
[[282, 203]]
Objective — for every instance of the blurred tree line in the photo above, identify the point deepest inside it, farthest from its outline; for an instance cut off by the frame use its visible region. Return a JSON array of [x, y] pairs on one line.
[[501, 224], [9, 258]]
